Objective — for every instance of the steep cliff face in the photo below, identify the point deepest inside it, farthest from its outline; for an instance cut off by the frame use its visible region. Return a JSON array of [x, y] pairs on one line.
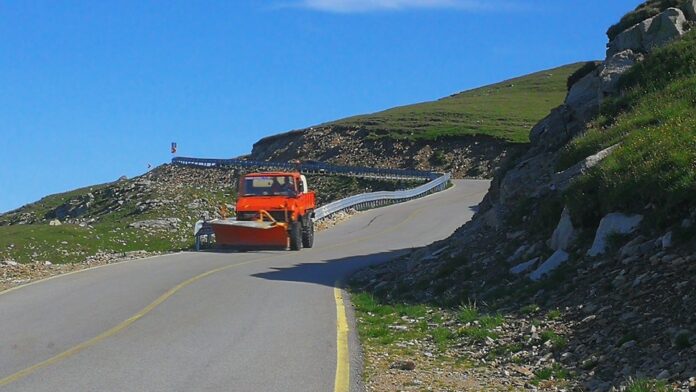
[[594, 223]]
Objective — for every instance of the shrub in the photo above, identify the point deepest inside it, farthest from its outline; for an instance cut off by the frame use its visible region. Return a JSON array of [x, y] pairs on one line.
[[585, 70]]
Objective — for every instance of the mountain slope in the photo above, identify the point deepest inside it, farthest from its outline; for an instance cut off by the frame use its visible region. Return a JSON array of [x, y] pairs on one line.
[[505, 110], [468, 134], [578, 271]]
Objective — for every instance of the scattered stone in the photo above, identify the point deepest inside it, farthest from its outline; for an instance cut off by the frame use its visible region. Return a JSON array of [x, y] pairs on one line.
[[557, 258], [524, 267], [54, 222], [564, 234], [157, 224], [614, 223], [403, 365]]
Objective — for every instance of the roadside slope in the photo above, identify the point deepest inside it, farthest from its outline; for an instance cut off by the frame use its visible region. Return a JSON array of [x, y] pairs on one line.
[[578, 270]]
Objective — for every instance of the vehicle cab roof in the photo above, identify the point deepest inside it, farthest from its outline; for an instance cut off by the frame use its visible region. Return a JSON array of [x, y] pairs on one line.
[[272, 174]]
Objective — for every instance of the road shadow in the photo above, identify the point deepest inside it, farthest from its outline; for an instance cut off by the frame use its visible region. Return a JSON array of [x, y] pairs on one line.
[[328, 272]]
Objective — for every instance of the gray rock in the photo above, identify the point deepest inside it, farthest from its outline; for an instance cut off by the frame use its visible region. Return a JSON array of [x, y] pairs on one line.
[[636, 247], [9, 263], [650, 33], [564, 179], [583, 97], [614, 223], [559, 257], [663, 375], [564, 234], [612, 70], [666, 240], [524, 267], [403, 365], [54, 222], [518, 254]]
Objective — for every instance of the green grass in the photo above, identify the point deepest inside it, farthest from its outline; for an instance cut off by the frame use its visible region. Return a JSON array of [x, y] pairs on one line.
[[557, 342], [554, 314], [655, 124], [468, 313], [555, 372], [110, 231], [505, 111], [530, 309], [645, 385]]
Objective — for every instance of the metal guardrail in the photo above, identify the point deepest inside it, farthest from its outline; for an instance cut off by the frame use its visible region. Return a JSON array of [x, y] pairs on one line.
[[378, 199], [310, 168], [359, 202]]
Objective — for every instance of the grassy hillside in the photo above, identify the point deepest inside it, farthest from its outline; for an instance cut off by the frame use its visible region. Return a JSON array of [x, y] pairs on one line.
[[505, 110], [653, 171], [99, 219]]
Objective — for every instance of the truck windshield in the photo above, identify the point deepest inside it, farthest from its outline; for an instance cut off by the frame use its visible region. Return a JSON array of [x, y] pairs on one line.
[[268, 186]]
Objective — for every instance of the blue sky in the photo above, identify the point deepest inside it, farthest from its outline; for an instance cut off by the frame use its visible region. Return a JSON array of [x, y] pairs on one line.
[[92, 90]]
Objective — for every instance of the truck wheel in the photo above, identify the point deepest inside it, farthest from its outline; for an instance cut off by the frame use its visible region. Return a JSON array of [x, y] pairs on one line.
[[295, 236], [308, 234]]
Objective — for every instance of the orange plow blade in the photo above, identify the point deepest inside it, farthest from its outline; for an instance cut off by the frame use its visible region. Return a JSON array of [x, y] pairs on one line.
[[250, 234]]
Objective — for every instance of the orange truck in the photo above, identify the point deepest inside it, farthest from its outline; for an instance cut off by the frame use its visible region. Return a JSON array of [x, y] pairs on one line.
[[274, 210]]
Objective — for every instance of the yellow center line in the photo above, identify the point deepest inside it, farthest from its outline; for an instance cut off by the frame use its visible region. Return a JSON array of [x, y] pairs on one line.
[[118, 328], [342, 381]]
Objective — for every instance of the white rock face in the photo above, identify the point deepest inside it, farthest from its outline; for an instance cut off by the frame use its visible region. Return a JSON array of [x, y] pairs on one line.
[[564, 234], [650, 33], [612, 69], [524, 267], [559, 257], [614, 223]]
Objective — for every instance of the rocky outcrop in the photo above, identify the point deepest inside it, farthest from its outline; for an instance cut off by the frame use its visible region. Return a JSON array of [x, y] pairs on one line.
[[613, 224], [650, 33], [626, 303], [466, 156], [615, 66]]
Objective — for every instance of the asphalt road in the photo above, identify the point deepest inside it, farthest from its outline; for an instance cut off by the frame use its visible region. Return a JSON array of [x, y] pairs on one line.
[[256, 321]]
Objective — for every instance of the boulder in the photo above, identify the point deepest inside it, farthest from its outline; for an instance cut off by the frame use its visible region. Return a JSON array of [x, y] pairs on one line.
[[614, 223], [583, 97], [564, 234], [518, 253], [554, 261], [564, 179], [650, 33], [524, 267], [529, 178], [54, 222], [612, 70], [638, 246]]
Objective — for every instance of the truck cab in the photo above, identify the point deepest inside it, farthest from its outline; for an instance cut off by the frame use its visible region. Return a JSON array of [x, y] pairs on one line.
[[282, 197]]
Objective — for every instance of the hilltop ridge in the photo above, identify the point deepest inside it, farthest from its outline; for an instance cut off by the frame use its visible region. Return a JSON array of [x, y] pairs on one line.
[[468, 133]]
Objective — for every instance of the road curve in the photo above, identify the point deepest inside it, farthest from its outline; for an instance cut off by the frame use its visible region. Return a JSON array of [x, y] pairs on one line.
[[257, 321]]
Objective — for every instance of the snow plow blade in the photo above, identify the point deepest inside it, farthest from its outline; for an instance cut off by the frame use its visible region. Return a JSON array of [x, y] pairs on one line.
[[250, 234]]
